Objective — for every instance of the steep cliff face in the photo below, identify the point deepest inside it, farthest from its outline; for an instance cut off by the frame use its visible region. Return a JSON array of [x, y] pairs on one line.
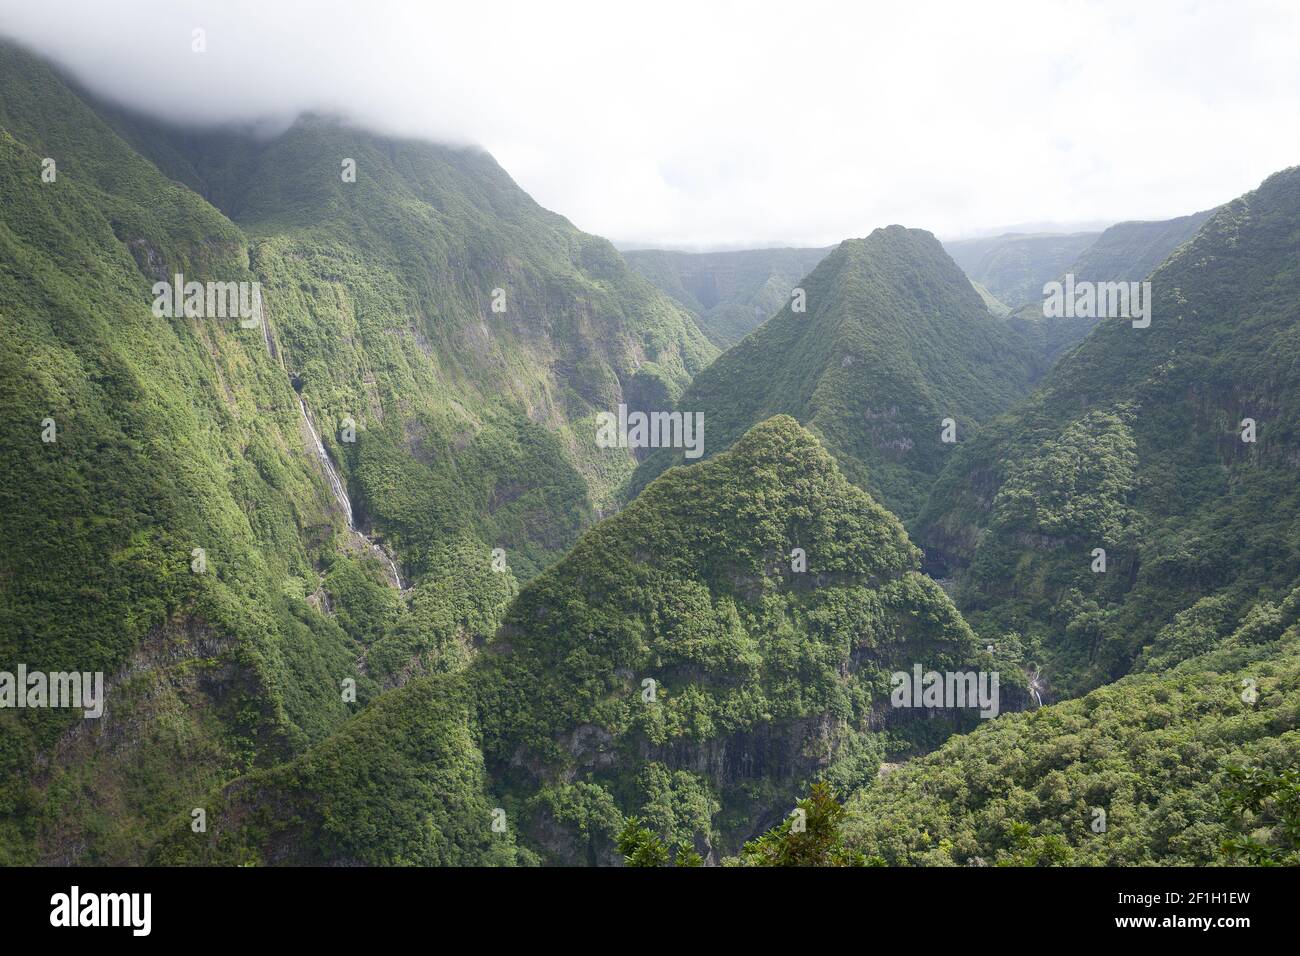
[[180, 486], [154, 483], [472, 336]]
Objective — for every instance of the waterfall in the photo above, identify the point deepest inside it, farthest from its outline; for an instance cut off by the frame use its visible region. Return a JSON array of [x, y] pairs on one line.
[[341, 496], [1035, 683], [336, 483], [383, 555]]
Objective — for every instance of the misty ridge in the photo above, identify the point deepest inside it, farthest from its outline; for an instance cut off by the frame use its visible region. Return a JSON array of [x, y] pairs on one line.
[[876, 495]]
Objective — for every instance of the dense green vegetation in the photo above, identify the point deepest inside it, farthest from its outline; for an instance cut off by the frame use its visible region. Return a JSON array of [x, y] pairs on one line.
[[675, 655], [169, 436], [400, 784], [1126, 252], [729, 293], [652, 696], [475, 411], [1134, 444], [474, 432], [812, 836], [666, 685], [1133, 250], [893, 342], [1266, 805], [1192, 766], [642, 847]]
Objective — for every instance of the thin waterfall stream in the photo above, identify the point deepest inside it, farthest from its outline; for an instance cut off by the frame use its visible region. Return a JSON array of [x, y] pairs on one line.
[[341, 495], [331, 473]]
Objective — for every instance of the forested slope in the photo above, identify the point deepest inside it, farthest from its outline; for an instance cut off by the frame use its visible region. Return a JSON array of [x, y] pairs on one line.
[[1138, 443], [894, 341]]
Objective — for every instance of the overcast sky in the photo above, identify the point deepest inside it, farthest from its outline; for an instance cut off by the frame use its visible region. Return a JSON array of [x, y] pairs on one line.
[[702, 124]]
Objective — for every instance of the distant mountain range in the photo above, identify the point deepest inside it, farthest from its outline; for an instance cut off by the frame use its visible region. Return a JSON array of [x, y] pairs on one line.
[[1014, 266], [1126, 252], [729, 293]]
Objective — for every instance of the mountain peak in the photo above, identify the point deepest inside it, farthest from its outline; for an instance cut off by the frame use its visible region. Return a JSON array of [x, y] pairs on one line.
[[891, 341]]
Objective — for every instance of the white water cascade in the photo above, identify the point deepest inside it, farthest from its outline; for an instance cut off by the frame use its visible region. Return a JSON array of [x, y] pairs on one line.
[[1035, 683], [336, 483], [341, 495]]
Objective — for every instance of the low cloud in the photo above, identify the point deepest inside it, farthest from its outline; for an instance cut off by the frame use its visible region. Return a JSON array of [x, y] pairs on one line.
[[704, 125]]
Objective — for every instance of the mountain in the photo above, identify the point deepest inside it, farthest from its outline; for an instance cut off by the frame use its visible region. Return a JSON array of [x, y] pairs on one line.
[[178, 511], [677, 665], [1126, 252], [1014, 266], [1138, 443], [303, 458], [729, 293], [252, 524], [471, 334], [894, 341], [1129, 251]]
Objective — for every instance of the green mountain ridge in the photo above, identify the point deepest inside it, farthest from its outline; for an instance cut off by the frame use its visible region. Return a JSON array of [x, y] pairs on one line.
[[1125, 252], [1133, 774], [1014, 266], [365, 590], [169, 436], [1133, 444], [895, 340], [473, 433], [763, 678]]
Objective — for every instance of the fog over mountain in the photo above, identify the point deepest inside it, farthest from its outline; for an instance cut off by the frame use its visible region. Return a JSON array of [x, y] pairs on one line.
[[645, 125]]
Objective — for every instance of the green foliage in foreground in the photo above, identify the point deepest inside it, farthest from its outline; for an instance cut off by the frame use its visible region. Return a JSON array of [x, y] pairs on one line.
[[1267, 804], [642, 847], [1143, 771], [812, 836]]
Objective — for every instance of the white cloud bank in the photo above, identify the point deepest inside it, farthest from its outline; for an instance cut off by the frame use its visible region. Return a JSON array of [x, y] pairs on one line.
[[698, 124]]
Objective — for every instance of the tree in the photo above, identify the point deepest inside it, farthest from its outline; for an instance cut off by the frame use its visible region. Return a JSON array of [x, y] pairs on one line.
[[1268, 802], [641, 846], [808, 838]]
